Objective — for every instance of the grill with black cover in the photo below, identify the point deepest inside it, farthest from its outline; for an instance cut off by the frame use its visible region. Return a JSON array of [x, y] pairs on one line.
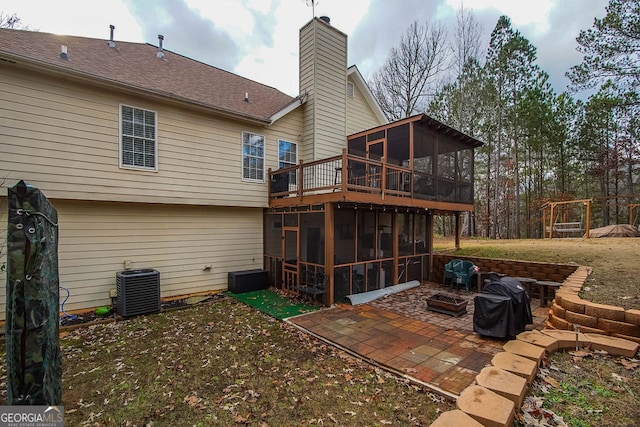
[[502, 309]]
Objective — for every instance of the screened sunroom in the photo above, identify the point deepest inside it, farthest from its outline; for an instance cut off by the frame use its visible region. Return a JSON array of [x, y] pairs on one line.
[[362, 220]]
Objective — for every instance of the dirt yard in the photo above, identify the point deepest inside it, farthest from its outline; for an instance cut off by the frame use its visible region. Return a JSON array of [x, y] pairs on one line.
[[615, 261]]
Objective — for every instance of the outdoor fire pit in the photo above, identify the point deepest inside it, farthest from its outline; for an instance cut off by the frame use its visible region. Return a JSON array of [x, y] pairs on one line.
[[447, 304]]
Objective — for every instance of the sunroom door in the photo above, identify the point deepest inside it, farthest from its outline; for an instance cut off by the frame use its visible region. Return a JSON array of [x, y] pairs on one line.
[[375, 151], [290, 268]]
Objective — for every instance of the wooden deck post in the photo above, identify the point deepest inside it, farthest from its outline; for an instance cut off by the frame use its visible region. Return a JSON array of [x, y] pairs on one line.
[[396, 246], [430, 244], [587, 221], [457, 215], [344, 170], [329, 250]]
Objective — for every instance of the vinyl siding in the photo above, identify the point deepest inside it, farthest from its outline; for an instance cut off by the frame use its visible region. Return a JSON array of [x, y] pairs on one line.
[[96, 238], [323, 67], [63, 137], [359, 114]]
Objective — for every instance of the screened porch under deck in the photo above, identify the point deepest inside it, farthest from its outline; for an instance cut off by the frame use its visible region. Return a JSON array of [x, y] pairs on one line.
[[362, 220], [370, 247]]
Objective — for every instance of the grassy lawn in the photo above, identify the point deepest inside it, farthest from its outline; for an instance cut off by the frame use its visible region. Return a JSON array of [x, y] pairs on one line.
[[585, 388]]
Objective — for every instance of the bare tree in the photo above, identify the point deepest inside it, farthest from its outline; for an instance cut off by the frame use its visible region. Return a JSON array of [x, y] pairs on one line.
[[408, 79], [12, 21], [467, 39]]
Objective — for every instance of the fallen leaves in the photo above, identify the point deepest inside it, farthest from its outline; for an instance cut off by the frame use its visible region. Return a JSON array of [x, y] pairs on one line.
[[551, 381], [223, 364], [629, 365]]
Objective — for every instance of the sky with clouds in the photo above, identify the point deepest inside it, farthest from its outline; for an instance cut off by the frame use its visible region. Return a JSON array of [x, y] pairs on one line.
[[258, 39]]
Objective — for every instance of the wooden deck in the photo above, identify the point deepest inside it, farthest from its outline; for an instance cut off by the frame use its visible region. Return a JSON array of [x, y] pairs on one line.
[[353, 179]]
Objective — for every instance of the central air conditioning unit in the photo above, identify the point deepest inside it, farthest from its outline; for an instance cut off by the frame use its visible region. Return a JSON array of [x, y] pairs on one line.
[[138, 292]]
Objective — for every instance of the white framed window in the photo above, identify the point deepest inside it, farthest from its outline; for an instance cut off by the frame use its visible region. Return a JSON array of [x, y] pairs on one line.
[[288, 156], [138, 138], [252, 157]]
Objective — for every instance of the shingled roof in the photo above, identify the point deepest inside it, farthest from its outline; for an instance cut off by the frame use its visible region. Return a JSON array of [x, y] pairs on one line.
[[136, 66]]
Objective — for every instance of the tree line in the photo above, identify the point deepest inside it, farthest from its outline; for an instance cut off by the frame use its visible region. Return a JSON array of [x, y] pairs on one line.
[[539, 146]]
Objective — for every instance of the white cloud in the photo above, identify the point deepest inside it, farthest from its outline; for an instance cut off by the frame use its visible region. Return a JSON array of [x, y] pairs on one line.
[[229, 15], [76, 17], [521, 13]]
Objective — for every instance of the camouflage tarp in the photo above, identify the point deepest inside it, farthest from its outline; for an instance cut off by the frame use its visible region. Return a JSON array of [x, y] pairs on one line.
[[34, 366]]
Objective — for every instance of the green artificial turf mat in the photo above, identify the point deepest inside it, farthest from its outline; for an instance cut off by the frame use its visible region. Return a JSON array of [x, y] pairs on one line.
[[273, 304]]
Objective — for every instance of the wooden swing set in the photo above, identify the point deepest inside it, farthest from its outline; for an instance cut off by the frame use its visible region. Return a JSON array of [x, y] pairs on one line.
[[555, 217], [634, 220]]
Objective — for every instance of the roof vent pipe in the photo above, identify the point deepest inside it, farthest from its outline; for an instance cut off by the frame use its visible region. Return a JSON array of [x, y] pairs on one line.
[[111, 42], [160, 54], [326, 19], [63, 52]]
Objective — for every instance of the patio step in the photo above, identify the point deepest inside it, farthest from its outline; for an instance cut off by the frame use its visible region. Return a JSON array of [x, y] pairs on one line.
[[566, 339], [455, 418], [521, 366], [613, 345], [488, 408], [538, 338], [525, 349], [506, 384]]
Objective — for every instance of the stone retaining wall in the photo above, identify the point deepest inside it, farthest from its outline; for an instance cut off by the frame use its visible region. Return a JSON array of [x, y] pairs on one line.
[[569, 309], [535, 270]]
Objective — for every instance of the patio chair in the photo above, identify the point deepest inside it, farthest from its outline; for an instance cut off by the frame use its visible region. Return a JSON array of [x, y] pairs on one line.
[[462, 273], [314, 285], [449, 271]]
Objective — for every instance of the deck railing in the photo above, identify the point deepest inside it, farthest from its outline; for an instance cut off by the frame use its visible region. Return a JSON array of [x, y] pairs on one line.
[[342, 173], [350, 173]]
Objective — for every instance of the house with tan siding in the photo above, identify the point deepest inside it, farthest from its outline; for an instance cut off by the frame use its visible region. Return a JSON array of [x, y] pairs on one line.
[[154, 160], [157, 161]]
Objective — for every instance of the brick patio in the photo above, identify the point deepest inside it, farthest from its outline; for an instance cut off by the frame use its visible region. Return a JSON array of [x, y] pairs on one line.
[[400, 334]]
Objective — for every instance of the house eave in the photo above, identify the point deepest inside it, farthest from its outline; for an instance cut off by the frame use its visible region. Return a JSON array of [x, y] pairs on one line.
[[297, 102]]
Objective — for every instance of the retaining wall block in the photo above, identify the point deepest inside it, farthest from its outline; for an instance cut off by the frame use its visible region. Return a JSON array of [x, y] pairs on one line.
[[573, 303], [558, 310], [627, 337], [525, 349], [521, 366], [537, 338], [506, 384], [632, 316], [549, 325], [488, 408], [607, 311], [622, 328], [613, 345], [455, 418], [588, 330], [559, 323], [567, 339], [581, 319]]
